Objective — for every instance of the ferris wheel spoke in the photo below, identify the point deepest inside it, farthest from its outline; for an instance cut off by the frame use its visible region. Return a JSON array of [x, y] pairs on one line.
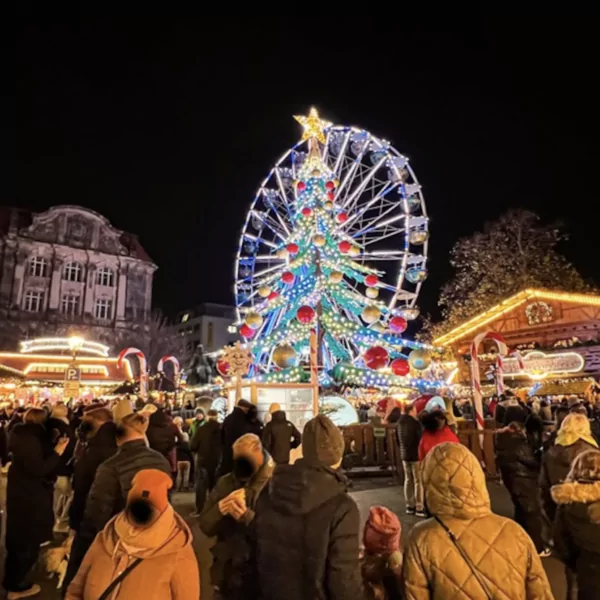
[[272, 225], [342, 152], [383, 255], [348, 202], [283, 195], [281, 221], [367, 206], [373, 223], [373, 226], [350, 173]]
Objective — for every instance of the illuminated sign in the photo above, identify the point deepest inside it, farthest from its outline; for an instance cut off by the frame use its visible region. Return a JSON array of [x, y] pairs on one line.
[[539, 365]]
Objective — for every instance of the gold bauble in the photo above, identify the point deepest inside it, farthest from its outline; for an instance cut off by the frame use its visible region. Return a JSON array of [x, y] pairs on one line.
[[336, 277], [336, 182], [370, 314], [378, 327], [419, 359], [282, 253], [372, 292], [315, 172], [284, 356], [354, 251], [253, 320], [328, 205], [319, 240], [264, 291]]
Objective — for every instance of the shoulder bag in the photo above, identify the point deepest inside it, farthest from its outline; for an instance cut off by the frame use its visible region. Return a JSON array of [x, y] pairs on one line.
[[111, 588], [466, 558]]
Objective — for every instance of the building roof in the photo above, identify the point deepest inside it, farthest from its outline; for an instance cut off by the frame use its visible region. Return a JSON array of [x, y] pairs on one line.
[[509, 304]]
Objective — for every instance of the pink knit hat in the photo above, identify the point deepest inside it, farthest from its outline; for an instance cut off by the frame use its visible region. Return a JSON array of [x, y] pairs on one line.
[[382, 531]]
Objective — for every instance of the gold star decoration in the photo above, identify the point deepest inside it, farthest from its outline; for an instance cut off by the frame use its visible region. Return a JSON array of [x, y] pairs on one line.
[[313, 126]]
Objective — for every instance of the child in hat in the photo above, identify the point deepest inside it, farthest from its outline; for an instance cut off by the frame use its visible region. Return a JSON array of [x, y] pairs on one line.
[[381, 565]]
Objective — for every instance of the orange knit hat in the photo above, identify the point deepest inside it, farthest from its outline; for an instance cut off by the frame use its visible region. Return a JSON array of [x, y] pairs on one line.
[[150, 487]]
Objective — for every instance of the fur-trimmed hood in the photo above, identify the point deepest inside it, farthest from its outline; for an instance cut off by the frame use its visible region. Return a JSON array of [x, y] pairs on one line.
[[573, 492]]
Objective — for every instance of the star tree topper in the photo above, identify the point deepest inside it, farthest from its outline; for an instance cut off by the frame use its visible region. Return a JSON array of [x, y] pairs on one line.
[[313, 126]]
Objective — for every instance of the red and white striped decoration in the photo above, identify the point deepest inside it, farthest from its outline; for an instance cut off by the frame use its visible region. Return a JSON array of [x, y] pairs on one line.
[[477, 396], [143, 367], [169, 358], [500, 388]]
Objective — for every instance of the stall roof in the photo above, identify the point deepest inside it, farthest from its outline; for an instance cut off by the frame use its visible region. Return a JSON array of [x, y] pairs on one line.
[[565, 388], [509, 304]]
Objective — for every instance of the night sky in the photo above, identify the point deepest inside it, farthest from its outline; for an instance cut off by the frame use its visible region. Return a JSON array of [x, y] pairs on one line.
[[167, 128]]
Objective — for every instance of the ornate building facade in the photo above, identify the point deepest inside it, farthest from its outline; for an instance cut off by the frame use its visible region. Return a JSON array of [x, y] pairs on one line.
[[68, 269]]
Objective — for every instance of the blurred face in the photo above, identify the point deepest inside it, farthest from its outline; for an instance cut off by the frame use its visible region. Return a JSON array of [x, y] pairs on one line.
[[246, 461], [199, 417]]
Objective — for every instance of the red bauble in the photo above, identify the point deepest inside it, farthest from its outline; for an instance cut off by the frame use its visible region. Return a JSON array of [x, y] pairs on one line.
[[292, 248], [342, 217], [398, 324], [371, 280], [376, 357], [400, 367], [344, 247], [306, 212], [223, 367], [301, 186], [305, 314], [330, 195], [287, 277], [246, 331], [329, 185], [272, 295]]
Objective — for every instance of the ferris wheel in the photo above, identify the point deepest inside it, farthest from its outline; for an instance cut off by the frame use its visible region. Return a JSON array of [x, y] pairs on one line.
[[386, 218]]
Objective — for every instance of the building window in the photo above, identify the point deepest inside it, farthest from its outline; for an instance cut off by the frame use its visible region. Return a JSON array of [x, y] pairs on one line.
[[210, 334], [103, 308], [33, 301], [69, 304], [38, 266], [105, 277], [73, 271]]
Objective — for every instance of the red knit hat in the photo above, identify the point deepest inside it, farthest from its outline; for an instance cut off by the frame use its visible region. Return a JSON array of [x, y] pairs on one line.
[[382, 531]]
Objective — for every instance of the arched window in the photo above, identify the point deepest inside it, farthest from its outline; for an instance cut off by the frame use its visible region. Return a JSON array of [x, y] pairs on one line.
[[73, 271], [38, 266], [105, 277]]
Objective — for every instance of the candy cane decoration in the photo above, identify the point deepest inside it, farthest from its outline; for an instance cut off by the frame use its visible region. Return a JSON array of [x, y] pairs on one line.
[[173, 361], [143, 368], [500, 388], [477, 396]]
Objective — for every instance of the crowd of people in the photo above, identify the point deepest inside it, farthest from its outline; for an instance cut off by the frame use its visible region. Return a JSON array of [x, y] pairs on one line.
[[276, 503]]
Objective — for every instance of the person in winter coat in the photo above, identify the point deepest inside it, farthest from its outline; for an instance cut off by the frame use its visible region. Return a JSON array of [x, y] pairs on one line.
[[234, 426], [151, 540], [228, 515], [199, 418], [162, 433], [30, 517], [574, 437], [435, 431], [280, 436], [520, 470], [112, 483], [184, 457], [206, 444], [381, 564], [58, 426], [509, 410], [409, 436], [307, 526], [97, 434], [465, 551], [577, 524]]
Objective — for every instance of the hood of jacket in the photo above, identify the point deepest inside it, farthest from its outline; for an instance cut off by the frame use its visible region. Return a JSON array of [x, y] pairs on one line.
[[454, 483], [159, 419], [25, 429], [169, 534], [105, 437], [279, 416], [578, 492], [304, 486]]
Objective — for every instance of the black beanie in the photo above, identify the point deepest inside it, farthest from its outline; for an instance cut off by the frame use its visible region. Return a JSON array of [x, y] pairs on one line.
[[322, 441]]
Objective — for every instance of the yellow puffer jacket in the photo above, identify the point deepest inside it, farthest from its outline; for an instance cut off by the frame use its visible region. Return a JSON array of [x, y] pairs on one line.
[[500, 550]]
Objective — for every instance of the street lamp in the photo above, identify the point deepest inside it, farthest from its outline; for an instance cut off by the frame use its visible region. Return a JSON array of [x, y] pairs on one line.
[[75, 344]]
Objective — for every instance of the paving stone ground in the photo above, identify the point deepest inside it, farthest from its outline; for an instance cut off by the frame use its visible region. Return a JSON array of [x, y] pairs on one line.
[[366, 493]]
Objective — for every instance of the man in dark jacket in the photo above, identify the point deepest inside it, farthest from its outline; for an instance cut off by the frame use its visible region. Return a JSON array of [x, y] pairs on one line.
[[307, 526], [234, 427], [112, 483], [162, 433], [206, 444], [280, 436], [409, 436], [229, 513]]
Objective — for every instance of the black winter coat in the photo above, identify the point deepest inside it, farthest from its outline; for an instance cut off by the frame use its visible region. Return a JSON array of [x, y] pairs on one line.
[[206, 443], [112, 483], [3, 445], [279, 437], [556, 465], [577, 533], [234, 427], [57, 428], [162, 433], [519, 468], [30, 485], [307, 531], [98, 448], [409, 436], [233, 568]]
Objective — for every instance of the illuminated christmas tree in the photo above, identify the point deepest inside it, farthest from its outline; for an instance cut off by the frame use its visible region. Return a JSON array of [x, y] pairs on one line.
[[322, 298]]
